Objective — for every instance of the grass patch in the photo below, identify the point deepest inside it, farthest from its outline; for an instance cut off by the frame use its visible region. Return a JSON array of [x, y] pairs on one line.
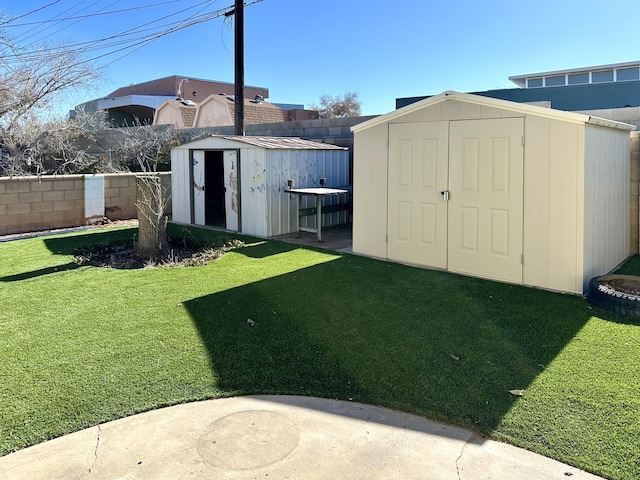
[[84, 345]]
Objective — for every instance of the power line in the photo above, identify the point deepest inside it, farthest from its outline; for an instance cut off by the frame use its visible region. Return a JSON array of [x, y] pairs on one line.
[[59, 21], [29, 13], [128, 41], [81, 17], [113, 40]]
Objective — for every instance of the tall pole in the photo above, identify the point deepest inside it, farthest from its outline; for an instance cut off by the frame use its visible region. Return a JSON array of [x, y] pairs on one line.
[[239, 68]]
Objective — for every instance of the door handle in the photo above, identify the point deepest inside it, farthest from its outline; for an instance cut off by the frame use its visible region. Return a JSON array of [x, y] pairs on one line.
[[445, 195]]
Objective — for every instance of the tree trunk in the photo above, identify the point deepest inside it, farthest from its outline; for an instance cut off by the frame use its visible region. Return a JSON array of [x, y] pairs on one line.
[[150, 204]]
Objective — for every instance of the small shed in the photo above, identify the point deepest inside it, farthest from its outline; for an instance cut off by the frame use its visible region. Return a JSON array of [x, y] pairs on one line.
[[496, 189], [239, 183]]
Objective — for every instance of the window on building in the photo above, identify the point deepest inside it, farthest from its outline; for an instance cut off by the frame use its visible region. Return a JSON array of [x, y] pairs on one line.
[[577, 78], [626, 74], [602, 76], [554, 81], [534, 82]]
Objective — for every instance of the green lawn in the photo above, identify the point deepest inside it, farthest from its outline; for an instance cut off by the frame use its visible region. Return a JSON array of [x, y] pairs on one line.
[[84, 345]]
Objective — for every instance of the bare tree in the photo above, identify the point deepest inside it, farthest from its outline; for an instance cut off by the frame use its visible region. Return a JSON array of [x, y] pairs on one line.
[[343, 106], [150, 147], [34, 146], [32, 80]]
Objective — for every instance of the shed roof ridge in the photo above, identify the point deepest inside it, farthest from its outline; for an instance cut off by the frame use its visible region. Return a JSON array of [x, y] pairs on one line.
[[448, 95]]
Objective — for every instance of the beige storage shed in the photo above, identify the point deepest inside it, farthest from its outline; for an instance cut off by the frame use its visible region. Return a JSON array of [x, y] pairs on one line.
[[496, 189]]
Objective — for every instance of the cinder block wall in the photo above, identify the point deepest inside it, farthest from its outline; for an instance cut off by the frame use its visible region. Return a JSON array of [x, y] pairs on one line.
[[120, 195], [635, 191], [40, 203], [29, 204]]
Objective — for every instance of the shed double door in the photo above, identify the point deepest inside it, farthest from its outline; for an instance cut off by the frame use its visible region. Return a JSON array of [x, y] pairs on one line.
[[456, 196]]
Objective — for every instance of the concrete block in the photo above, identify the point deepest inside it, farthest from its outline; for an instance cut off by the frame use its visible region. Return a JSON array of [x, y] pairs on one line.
[[52, 196], [3, 210], [120, 182], [128, 192], [42, 186], [42, 207], [63, 205], [18, 208], [9, 198], [66, 218], [63, 185], [18, 186], [42, 225], [73, 194], [31, 197], [29, 220], [3, 187]]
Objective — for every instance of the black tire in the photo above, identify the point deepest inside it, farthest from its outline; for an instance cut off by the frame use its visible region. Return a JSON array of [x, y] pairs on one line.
[[601, 296]]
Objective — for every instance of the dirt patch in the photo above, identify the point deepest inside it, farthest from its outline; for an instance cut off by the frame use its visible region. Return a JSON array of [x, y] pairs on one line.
[[180, 254]]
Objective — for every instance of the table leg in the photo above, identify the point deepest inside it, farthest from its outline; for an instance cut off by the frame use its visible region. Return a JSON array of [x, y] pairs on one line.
[[298, 216], [319, 217]]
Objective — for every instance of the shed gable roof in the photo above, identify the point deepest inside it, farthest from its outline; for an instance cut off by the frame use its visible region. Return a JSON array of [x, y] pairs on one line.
[[187, 112], [521, 108]]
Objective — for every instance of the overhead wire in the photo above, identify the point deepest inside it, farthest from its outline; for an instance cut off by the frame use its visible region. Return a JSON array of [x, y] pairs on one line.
[[56, 18], [82, 17], [119, 38], [69, 24], [132, 39], [13, 19]]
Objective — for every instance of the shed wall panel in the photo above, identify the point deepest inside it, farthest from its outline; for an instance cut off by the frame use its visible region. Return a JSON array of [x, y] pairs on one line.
[[180, 191], [566, 206], [304, 167], [469, 110], [536, 243], [607, 204], [370, 191], [280, 211], [253, 188], [455, 110]]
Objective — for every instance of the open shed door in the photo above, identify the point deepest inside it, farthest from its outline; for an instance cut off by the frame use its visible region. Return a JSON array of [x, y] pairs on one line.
[[231, 177], [486, 202], [198, 188]]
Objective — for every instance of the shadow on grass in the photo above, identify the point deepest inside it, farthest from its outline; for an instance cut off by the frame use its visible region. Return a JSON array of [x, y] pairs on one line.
[[38, 273], [69, 244], [440, 345]]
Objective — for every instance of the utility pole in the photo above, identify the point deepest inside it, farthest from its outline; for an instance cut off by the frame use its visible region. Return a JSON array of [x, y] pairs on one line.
[[239, 68]]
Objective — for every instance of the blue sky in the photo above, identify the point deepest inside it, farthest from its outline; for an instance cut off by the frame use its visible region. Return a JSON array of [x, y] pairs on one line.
[[301, 49]]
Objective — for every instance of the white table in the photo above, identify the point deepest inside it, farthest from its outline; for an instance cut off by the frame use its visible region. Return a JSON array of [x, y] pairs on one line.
[[319, 193]]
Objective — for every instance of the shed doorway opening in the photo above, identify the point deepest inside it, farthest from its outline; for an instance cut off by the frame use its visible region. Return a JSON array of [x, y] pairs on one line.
[[214, 206], [215, 189]]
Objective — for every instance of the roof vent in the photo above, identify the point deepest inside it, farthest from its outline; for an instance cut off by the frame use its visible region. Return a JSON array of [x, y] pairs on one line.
[[188, 103], [258, 99]]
